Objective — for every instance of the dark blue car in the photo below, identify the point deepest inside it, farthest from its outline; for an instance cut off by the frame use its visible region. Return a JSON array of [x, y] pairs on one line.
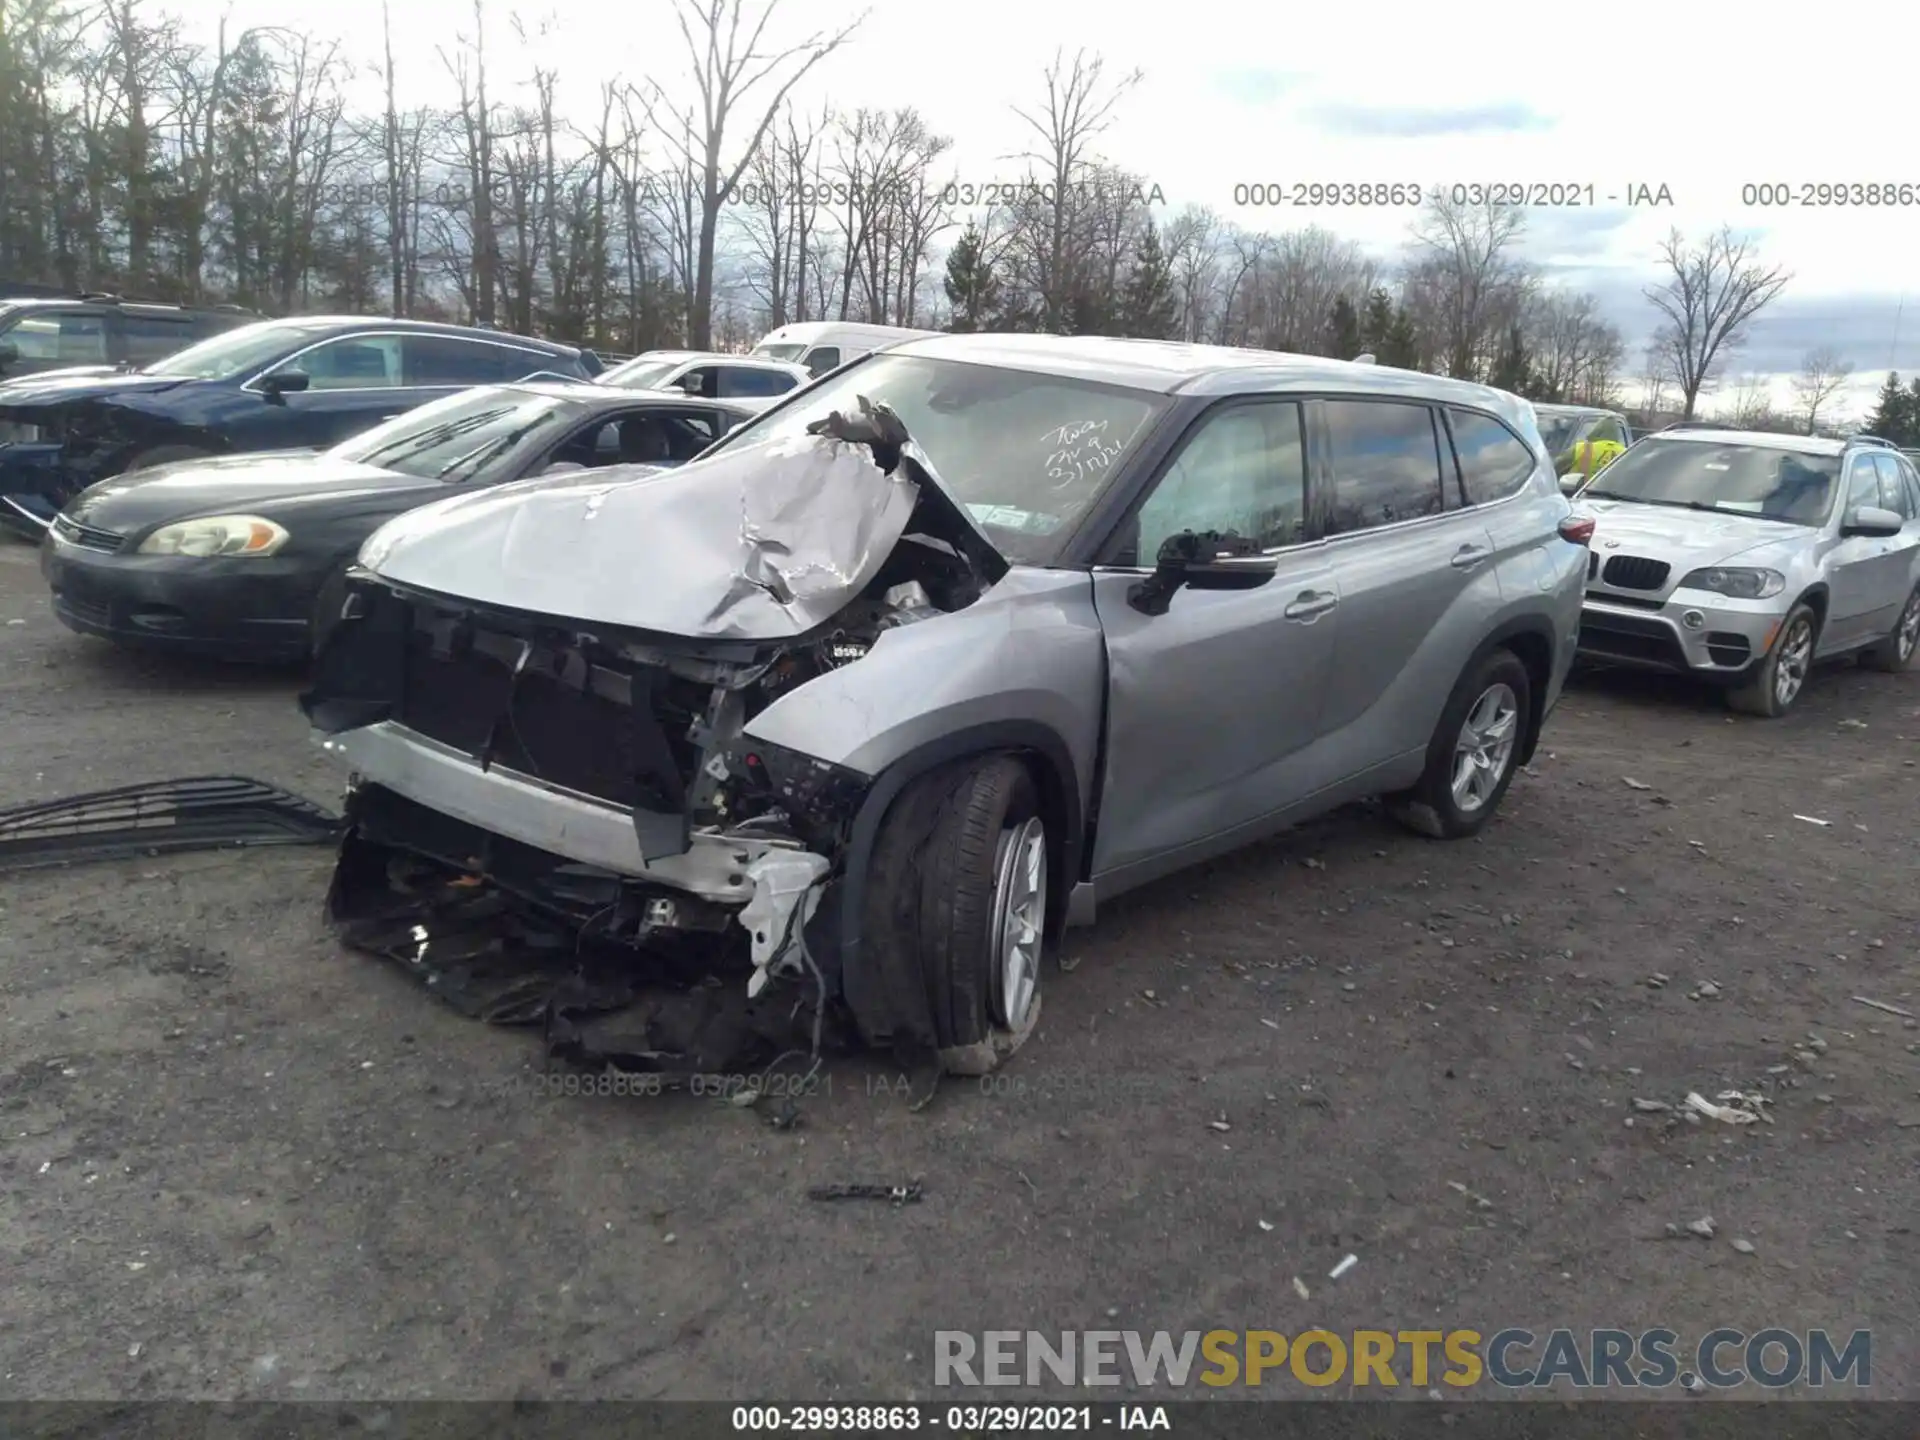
[[277, 385]]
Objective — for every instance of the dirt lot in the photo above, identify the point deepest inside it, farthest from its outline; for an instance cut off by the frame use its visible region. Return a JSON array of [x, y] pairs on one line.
[[238, 1161]]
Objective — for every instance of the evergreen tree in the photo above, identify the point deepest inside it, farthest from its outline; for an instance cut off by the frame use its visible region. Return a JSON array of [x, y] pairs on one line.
[[1401, 347], [973, 290], [1149, 308], [1511, 368], [1343, 330], [1376, 326], [1896, 415]]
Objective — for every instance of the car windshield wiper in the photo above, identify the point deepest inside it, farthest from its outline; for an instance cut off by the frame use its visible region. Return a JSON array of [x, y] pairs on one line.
[[483, 453]]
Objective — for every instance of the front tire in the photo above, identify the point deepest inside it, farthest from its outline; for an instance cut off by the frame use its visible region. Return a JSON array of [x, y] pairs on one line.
[[958, 893], [1472, 756], [1779, 679], [1895, 653]]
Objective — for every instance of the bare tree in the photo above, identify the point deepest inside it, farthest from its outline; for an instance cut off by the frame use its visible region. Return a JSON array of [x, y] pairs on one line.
[[1823, 374], [727, 68], [1193, 247], [1464, 260], [1078, 107], [1710, 297], [469, 69], [1750, 406]]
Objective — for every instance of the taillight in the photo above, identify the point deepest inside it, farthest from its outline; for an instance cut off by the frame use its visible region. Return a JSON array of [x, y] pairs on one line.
[[1577, 528]]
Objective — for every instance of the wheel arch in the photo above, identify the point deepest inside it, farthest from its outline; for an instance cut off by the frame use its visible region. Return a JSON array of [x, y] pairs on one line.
[[1531, 639], [1048, 761]]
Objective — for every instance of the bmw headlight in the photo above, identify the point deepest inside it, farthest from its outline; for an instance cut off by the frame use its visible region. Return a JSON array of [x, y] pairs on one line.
[[1737, 583], [216, 535]]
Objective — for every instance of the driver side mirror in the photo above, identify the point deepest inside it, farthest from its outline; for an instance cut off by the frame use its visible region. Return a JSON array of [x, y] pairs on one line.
[[1871, 521], [1205, 561], [281, 383]]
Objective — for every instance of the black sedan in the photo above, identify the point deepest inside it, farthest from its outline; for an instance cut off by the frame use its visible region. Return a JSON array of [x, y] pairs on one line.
[[228, 556]]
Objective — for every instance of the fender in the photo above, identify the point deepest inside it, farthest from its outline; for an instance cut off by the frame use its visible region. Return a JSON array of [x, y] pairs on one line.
[[1060, 790]]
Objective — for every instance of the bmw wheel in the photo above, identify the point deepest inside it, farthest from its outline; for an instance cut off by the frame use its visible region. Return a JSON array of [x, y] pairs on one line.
[[1778, 680], [1895, 653]]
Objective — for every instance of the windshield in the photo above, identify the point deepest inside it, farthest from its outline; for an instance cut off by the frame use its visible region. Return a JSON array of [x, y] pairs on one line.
[[1025, 453], [1758, 480], [780, 352], [640, 374], [477, 434], [1561, 430], [237, 352]]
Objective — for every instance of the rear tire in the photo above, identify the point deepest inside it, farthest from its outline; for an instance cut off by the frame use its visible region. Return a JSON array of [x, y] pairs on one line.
[[1780, 679], [1895, 653], [165, 455], [1474, 751], [957, 895]]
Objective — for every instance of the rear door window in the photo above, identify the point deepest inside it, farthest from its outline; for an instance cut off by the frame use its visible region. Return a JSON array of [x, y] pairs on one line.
[[449, 360], [1385, 459], [751, 381], [154, 337]]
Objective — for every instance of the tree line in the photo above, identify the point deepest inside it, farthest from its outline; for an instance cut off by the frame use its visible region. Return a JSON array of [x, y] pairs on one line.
[[704, 206]]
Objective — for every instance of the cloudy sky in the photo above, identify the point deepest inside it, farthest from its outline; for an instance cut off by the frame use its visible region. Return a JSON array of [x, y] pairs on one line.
[[1237, 93]]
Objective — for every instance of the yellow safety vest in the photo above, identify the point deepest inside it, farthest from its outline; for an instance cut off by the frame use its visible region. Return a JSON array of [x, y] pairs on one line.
[[1591, 456]]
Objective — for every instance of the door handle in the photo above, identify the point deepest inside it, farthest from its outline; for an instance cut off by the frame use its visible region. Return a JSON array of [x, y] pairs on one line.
[[1310, 603], [1468, 556]]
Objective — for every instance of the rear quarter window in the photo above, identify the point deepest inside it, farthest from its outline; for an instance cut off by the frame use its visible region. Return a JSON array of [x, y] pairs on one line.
[[1494, 462]]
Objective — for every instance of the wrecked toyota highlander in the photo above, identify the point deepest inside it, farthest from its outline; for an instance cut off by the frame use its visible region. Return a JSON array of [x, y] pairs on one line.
[[844, 722]]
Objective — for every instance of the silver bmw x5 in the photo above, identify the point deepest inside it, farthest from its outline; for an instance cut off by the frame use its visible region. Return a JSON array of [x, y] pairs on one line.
[[928, 662], [1742, 558]]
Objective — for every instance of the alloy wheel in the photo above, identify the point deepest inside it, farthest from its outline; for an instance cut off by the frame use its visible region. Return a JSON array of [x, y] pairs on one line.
[[1019, 921], [1790, 670], [1909, 631], [1485, 747]]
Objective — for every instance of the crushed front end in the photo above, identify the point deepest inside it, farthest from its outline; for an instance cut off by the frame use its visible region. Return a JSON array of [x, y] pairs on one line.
[[561, 822]]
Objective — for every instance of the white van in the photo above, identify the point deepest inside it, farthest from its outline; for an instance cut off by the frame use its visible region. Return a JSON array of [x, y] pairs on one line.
[[823, 345]]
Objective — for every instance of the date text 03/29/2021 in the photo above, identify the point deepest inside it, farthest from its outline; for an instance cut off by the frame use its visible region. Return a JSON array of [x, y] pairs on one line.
[[1412, 194], [954, 1419]]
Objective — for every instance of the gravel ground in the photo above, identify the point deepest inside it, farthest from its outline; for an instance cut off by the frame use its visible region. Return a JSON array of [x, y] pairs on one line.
[[237, 1161]]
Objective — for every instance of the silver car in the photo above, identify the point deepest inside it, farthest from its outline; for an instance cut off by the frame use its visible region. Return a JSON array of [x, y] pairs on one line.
[[931, 660], [1742, 558]]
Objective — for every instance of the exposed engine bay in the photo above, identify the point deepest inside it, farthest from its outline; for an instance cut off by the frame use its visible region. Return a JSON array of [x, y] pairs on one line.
[[561, 822]]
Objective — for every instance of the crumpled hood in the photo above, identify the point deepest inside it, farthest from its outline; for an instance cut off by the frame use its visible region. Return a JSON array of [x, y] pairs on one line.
[[58, 387], [758, 542], [1684, 537]]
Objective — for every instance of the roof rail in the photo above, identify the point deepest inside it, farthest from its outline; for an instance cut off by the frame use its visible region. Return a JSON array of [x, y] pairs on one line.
[[1698, 425], [97, 295], [1865, 439]]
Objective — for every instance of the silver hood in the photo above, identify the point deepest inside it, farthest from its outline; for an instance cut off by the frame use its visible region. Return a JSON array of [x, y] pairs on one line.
[[758, 542], [1688, 539]]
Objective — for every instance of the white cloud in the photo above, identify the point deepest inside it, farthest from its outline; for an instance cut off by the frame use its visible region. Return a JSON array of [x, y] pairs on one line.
[[1237, 92]]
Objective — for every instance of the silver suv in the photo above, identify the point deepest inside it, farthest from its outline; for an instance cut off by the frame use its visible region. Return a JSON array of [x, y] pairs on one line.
[[929, 660], [1742, 558]]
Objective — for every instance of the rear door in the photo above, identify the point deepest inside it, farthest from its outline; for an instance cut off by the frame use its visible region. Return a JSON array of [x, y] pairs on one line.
[[1212, 706], [1414, 567]]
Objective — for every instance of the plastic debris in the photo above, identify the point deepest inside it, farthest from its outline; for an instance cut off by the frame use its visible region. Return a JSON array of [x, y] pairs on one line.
[[1703, 1227], [1745, 1247], [896, 1194], [1882, 1005], [1300, 1288], [1343, 1267], [1633, 784], [1735, 1108], [1812, 821]]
